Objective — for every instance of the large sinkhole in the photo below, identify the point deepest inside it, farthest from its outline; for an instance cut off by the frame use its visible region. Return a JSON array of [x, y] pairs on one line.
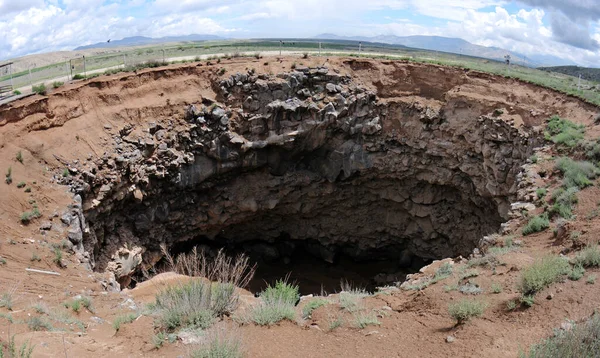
[[309, 174]]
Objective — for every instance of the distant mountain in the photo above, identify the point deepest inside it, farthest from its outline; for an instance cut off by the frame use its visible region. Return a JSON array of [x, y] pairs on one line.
[[590, 74], [141, 40], [454, 45]]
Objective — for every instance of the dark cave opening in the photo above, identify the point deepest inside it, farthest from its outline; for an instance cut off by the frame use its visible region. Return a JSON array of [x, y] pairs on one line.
[[316, 269]]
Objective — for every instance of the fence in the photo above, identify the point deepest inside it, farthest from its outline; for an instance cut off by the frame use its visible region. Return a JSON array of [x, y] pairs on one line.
[[91, 65]]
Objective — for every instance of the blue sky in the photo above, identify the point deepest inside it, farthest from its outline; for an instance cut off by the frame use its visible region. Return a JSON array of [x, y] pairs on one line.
[[569, 29]]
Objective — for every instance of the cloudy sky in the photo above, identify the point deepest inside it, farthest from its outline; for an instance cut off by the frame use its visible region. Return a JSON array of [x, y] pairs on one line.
[[569, 29]]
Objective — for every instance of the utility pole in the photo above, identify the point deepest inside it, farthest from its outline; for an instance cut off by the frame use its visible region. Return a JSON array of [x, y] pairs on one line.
[[29, 69]]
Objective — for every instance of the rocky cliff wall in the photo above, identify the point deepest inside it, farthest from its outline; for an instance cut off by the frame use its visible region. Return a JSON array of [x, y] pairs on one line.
[[309, 156]]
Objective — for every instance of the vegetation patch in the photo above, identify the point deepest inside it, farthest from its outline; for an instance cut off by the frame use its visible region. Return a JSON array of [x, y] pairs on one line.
[[564, 200], [564, 132], [278, 303], [39, 89], [351, 297], [220, 344], [543, 273], [127, 318], [194, 304], [588, 257], [576, 173], [580, 341], [312, 305], [536, 224], [466, 309], [364, 319]]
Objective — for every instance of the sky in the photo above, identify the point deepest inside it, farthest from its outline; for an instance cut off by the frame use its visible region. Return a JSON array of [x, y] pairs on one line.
[[569, 29]]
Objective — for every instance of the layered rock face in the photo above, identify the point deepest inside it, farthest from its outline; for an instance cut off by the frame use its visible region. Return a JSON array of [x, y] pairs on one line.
[[306, 158]]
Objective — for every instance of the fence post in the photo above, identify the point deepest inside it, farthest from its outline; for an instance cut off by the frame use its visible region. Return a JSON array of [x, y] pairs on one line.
[[84, 69], [319, 49], [29, 69], [67, 70], [11, 77], [124, 61]]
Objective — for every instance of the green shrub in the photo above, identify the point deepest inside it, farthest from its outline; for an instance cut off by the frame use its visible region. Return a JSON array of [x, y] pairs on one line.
[[588, 257], [25, 217], [127, 318], [576, 173], [194, 304], [591, 279], [565, 132], [78, 302], [364, 319], [527, 300], [351, 297], [37, 323], [576, 273], [583, 340], [542, 274], [57, 84], [466, 309], [6, 300], [58, 256], [219, 345], [593, 150], [16, 92], [564, 200], [266, 314], [312, 305], [39, 89], [158, 339], [496, 287], [282, 291], [19, 157], [541, 193], [21, 184], [25, 351], [78, 77], [9, 179], [536, 224], [277, 304]]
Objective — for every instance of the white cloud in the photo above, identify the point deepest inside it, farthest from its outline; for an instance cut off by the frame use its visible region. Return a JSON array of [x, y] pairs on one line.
[[28, 26]]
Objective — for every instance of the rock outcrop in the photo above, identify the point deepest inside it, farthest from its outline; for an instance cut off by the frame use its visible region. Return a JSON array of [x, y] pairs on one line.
[[310, 158]]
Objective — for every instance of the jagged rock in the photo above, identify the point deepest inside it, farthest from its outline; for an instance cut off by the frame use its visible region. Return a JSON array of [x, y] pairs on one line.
[[124, 263], [46, 226]]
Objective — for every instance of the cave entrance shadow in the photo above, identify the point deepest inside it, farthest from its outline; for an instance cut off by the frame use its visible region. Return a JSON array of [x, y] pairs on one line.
[[301, 264]]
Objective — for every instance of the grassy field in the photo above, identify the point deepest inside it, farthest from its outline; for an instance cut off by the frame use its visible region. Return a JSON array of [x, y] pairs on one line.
[[136, 56]]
